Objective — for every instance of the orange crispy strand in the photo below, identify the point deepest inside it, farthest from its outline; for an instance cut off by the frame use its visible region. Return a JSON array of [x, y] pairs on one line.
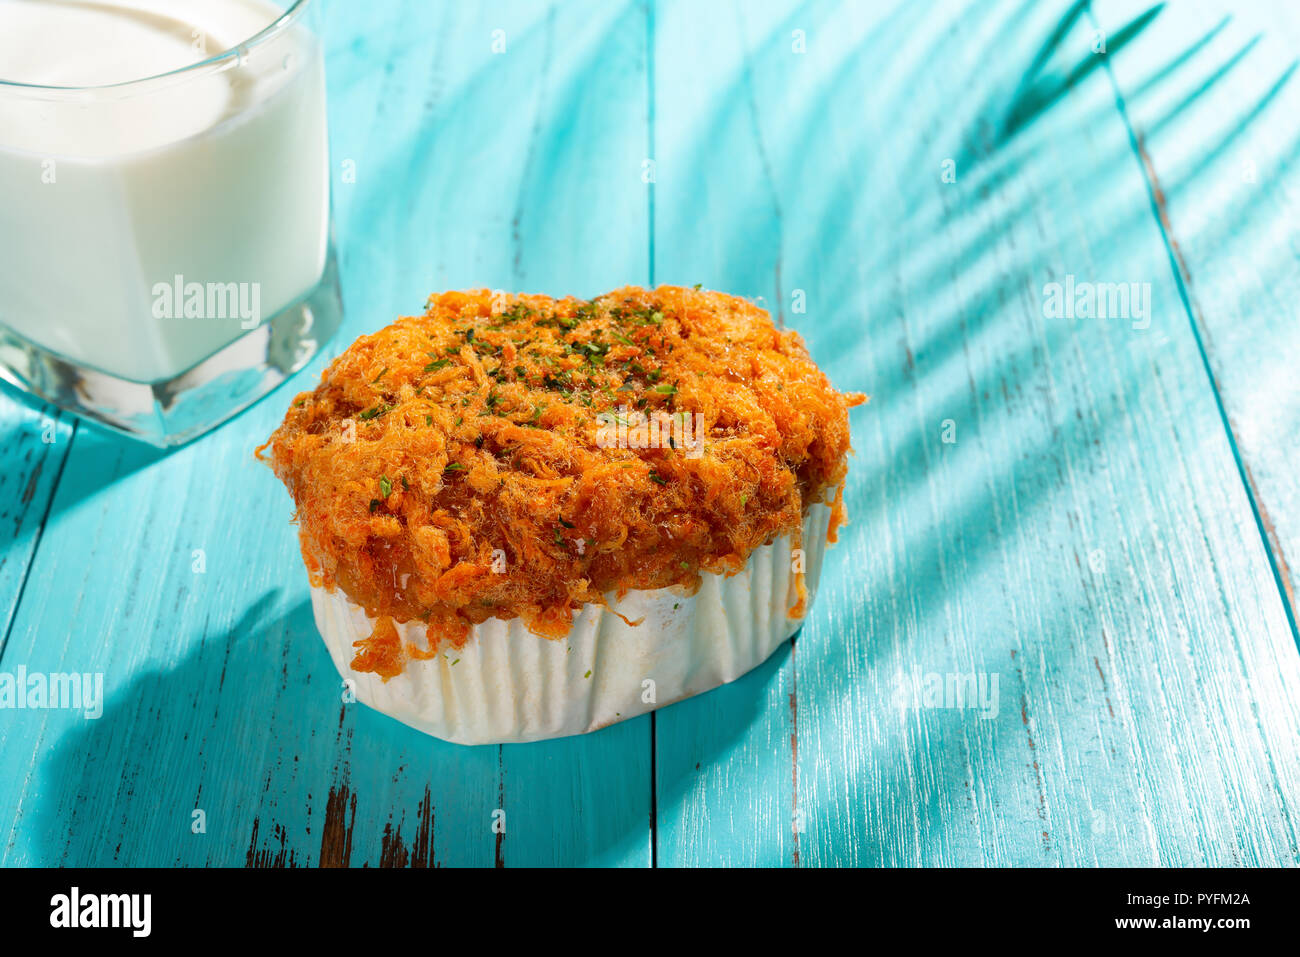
[[449, 468]]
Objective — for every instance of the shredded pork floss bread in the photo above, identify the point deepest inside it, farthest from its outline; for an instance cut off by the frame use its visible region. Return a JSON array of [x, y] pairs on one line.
[[517, 456]]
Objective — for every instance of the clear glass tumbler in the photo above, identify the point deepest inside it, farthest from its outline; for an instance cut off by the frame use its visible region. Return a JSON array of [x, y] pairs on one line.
[[165, 245]]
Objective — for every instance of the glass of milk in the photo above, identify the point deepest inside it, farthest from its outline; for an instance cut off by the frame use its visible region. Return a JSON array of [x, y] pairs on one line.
[[165, 254]]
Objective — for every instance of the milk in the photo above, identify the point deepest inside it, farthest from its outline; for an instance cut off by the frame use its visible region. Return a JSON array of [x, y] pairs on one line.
[[113, 199]]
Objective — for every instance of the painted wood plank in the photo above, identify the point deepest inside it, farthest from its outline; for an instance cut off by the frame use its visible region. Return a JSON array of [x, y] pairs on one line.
[[578, 225], [33, 442], [1211, 94], [177, 576], [1085, 541], [725, 769]]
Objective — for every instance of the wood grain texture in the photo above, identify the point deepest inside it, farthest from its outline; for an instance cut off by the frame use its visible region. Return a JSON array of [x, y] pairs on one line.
[[1211, 97], [1087, 540], [33, 443]]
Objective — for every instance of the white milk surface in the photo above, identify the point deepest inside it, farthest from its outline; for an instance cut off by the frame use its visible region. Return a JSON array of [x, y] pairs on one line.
[[106, 195]]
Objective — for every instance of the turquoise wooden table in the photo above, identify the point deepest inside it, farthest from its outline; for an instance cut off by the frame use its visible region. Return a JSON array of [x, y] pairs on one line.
[[1093, 517]]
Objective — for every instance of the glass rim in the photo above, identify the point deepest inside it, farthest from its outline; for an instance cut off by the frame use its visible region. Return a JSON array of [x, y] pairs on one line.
[[213, 64]]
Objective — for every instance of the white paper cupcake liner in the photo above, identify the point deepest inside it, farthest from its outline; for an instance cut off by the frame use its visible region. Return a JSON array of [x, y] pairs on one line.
[[507, 684]]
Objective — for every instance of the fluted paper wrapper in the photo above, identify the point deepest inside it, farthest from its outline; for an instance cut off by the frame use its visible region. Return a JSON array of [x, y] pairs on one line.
[[507, 684]]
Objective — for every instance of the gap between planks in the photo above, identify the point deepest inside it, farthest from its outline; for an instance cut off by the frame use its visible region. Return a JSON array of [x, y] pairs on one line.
[[39, 535], [1182, 278]]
